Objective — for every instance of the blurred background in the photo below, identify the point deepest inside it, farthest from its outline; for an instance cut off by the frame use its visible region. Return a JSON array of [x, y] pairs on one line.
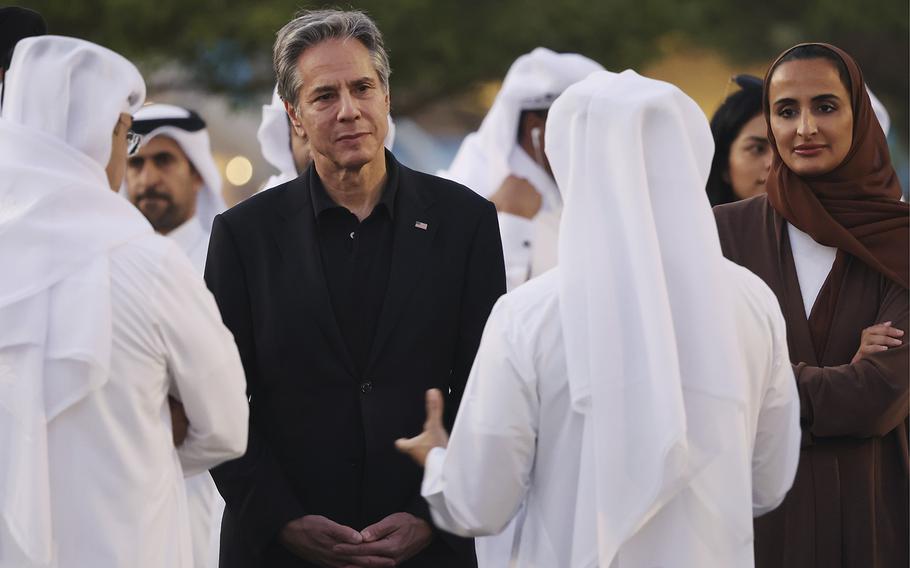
[[448, 57]]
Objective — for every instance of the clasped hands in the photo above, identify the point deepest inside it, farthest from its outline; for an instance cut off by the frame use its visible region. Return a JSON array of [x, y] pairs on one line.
[[389, 542]]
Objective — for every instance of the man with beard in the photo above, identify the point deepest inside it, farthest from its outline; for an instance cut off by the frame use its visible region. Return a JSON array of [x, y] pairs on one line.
[[173, 179]]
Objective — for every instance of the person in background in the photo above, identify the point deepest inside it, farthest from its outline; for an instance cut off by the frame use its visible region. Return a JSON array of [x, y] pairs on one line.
[[173, 179], [102, 321], [742, 154], [830, 238], [642, 420], [505, 160]]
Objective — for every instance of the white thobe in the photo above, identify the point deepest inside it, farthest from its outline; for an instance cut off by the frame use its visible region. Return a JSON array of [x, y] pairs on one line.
[[529, 245], [813, 262], [192, 240], [205, 504], [517, 441], [117, 491]]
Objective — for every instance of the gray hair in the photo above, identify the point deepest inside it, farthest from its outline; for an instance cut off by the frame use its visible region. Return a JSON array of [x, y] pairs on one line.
[[311, 27]]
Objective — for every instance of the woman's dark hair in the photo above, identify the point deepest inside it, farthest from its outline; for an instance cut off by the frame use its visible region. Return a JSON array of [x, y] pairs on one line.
[[814, 51], [738, 109]]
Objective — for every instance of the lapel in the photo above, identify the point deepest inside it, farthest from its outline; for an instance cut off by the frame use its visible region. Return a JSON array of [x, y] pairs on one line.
[[411, 246], [799, 338], [300, 255]]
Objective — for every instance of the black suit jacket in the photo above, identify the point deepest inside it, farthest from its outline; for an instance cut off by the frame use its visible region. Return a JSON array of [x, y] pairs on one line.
[[309, 407]]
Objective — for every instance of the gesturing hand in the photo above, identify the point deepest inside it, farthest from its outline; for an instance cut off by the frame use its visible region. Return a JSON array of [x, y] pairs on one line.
[[395, 538], [313, 538], [434, 434], [877, 338]]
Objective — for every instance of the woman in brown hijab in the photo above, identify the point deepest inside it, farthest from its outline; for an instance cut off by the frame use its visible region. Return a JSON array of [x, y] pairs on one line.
[[831, 239]]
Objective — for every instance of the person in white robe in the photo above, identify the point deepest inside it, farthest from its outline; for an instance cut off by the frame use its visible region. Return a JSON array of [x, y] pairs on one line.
[[175, 165], [638, 399], [101, 322], [283, 148], [505, 160], [173, 179]]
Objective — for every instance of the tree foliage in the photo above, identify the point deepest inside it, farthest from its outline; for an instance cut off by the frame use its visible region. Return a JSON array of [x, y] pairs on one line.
[[440, 47]]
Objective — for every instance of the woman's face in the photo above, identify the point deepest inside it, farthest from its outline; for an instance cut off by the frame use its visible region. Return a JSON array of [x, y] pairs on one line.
[[811, 116], [750, 159]]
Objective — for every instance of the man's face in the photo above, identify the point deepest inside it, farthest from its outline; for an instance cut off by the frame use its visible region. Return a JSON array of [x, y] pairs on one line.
[[342, 107], [163, 184]]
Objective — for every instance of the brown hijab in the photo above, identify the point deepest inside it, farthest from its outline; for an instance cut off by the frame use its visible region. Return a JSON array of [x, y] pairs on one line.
[[856, 207]]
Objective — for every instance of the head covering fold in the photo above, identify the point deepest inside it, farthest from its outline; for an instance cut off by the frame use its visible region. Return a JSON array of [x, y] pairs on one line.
[[59, 220], [532, 83], [178, 124], [641, 283], [855, 207]]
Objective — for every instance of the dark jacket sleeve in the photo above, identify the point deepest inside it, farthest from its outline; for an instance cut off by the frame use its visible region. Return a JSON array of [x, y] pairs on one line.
[[484, 283], [865, 399], [254, 487]]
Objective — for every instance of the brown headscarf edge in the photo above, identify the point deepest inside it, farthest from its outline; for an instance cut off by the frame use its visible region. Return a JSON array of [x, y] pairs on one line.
[[856, 207]]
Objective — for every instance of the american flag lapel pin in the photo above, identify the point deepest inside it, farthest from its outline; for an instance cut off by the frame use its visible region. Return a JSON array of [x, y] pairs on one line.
[[421, 225]]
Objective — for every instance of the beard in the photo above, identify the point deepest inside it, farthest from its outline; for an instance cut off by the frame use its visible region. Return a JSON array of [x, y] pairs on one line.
[[161, 211]]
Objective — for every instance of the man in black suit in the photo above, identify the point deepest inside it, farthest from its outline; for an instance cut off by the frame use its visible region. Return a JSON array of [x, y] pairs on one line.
[[350, 292]]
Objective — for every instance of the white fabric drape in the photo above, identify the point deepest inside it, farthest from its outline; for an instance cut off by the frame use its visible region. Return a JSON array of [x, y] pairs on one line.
[[198, 150], [647, 324], [63, 98], [532, 83]]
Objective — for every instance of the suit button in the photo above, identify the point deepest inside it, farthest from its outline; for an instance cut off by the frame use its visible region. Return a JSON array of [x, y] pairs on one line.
[[366, 387]]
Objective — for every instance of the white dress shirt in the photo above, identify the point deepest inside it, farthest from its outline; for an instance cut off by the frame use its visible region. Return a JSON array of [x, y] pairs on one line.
[[517, 442]]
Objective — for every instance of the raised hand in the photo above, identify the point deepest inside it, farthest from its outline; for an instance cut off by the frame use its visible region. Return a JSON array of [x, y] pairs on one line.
[[434, 434]]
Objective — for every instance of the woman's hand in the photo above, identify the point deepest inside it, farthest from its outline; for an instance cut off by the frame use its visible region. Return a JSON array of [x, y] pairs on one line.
[[877, 338]]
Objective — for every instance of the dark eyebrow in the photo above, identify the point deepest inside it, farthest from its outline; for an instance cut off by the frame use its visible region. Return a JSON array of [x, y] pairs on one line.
[[825, 97], [762, 139], [815, 99], [322, 89]]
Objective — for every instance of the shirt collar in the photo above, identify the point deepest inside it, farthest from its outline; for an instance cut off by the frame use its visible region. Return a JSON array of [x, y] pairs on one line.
[[323, 202]]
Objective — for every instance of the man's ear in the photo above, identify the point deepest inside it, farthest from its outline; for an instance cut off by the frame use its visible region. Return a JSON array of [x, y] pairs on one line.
[[295, 120]]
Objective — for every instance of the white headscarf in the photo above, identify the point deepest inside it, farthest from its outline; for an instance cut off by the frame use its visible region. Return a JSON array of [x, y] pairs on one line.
[[198, 150], [648, 335], [58, 221], [532, 83], [275, 139]]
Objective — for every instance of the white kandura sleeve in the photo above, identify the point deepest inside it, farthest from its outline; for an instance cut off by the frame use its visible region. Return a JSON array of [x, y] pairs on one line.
[[517, 234], [777, 440], [204, 367], [477, 484]]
